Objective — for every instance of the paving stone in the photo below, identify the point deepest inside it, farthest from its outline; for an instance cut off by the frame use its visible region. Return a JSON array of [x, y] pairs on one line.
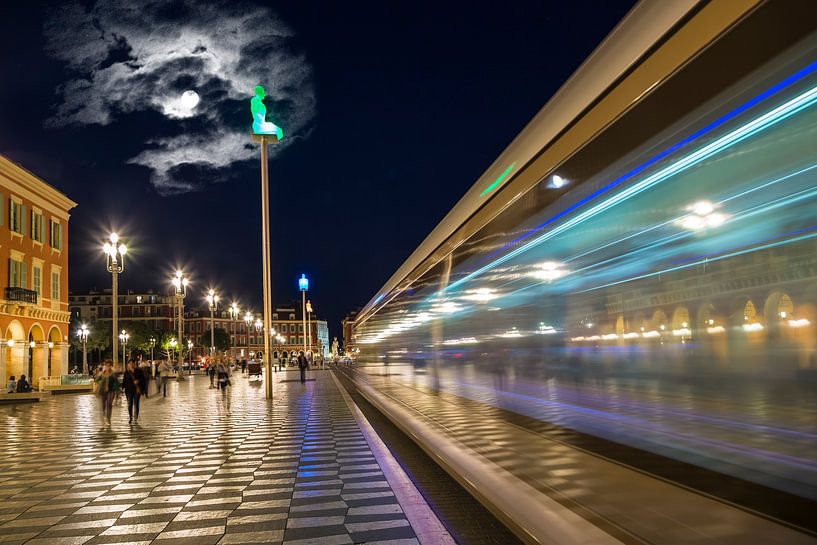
[[296, 471]]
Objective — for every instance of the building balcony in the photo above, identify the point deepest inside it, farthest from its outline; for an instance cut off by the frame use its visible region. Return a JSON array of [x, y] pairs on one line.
[[22, 295]]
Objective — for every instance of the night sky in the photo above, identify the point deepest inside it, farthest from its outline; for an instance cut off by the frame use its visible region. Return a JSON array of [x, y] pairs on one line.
[[391, 111]]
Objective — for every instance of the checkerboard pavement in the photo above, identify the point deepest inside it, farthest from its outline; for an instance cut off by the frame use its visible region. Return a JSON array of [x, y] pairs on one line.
[[297, 472]]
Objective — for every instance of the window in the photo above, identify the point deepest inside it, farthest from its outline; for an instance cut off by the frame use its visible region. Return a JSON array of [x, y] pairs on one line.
[[138, 298], [56, 235], [55, 286], [37, 226], [16, 216], [37, 280], [17, 273], [300, 328]]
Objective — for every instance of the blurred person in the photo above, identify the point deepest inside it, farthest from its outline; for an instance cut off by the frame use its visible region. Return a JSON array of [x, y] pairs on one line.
[[157, 376], [107, 388], [303, 365], [135, 383], [223, 373], [11, 387], [23, 385], [243, 367], [211, 370], [165, 372]]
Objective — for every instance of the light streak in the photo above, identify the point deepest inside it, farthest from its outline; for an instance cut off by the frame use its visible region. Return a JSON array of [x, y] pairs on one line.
[[747, 130]]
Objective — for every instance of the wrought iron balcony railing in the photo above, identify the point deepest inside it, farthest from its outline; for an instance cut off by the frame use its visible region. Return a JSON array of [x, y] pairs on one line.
[[21, 294]]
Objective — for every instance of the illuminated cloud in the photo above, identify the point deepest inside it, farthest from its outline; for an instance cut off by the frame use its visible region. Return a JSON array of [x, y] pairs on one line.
[[134, 57]]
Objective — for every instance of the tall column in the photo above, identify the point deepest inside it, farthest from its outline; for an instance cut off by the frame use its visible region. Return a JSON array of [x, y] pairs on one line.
[[39, 364], [4, 375], [60, 358], [265, 251]]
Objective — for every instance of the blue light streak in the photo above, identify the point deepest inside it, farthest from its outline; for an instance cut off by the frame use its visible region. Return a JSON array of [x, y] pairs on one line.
[[783, 84], [759, 124]]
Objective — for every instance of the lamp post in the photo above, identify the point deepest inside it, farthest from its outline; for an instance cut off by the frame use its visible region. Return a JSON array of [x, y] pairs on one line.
[[173, 344], [248, 321], [190, 353], [124, 336], [303, 284], [212, 300], [82, 333], [234, 312], [152, 343], [115, 262], [180, 285], [309, 323], [259, 325]]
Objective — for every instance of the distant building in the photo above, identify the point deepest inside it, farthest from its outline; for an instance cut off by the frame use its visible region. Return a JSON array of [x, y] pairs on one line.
[[153, 309], [34, 304], [248, 342], [347, 325]]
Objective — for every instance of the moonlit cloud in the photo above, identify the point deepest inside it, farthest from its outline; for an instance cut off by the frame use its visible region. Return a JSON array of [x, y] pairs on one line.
[[129, 57]]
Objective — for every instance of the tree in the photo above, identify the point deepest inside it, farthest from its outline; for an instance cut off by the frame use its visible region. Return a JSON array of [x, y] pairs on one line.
[[140, 334], [220, 337]]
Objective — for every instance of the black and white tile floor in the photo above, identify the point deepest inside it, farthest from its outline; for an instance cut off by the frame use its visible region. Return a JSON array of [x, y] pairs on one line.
[[299, 472]]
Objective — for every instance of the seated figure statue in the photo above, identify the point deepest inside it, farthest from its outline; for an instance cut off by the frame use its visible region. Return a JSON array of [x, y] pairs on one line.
[[260, 125]]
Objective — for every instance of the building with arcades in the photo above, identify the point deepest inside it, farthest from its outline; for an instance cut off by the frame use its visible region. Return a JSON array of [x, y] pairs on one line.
[[34, 303]]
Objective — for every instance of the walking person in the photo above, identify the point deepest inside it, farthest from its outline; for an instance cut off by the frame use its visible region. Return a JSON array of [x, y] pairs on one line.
[[303, 365], [135, 384], [107, 387], [165, 371], [155, 368], [211, 370], [223, 372]]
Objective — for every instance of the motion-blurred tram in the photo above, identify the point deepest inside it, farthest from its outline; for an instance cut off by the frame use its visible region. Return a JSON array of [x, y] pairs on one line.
[[635, 278]]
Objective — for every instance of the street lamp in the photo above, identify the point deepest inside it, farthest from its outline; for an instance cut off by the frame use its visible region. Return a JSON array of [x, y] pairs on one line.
[[180, 285], [234, 312], [303, 284], [173, 344], [82, 333], [190, 353], [152, 343], [248, 321], [259, 325], [124, 336], [309, 323], [212, 300], [115, 262]]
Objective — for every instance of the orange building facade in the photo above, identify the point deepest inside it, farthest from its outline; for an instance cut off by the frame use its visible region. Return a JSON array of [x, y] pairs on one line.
[[34, 272]]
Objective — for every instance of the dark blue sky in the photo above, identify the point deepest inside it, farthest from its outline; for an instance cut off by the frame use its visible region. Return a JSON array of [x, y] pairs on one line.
[[414, 100]]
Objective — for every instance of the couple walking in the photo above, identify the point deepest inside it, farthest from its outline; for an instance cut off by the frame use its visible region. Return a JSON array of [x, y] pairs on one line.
[[108, 387]]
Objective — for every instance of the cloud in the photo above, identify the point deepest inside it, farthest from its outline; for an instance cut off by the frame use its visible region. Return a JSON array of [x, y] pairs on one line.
[[127, 57]]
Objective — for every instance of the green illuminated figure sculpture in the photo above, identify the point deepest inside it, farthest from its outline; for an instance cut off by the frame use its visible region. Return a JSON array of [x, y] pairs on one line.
[[260, 125]]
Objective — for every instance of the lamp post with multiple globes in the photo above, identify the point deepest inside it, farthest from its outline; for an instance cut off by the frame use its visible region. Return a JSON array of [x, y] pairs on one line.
[[180, 282], [82, 333], [115, 262], [212, 301], [124, 336], [259, 325], [234, 312], [248, 321]]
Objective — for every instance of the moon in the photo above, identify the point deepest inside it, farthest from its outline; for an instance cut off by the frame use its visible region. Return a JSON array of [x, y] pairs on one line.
[[190, 99]]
